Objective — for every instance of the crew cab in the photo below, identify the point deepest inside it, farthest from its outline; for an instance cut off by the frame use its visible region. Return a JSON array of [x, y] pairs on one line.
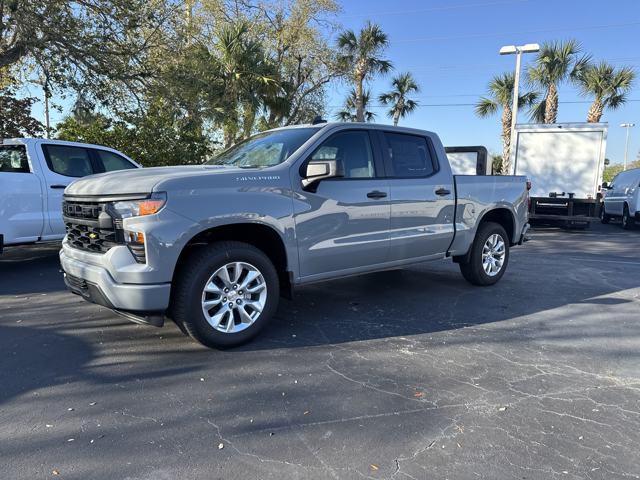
[[33, 175], [213, 246]]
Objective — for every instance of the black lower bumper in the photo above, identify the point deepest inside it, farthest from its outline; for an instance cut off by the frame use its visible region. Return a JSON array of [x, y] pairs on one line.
[[93, 293]]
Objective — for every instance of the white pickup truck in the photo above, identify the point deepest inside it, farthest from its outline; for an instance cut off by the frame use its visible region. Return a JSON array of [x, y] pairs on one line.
[[33, 175]]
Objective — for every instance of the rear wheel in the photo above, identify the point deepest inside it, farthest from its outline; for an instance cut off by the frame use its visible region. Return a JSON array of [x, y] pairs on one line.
[[627, 221], [604, 218], [225, 294], [489, 255]]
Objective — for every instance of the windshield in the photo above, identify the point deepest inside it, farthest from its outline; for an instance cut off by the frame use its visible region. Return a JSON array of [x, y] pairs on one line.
[[265, 149]]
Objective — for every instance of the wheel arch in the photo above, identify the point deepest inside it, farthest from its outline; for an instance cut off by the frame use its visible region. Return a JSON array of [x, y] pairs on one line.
[[264, 237], [500, 215], [503, 217]]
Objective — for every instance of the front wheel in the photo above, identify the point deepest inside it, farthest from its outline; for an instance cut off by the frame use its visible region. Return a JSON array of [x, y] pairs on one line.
[[225, 294], [627, 222], [489, 255]]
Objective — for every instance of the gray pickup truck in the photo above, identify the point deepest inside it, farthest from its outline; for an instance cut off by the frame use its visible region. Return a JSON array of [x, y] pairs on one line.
[[214, 246]]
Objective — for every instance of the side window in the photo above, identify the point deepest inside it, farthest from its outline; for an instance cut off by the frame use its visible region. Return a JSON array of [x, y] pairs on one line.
[[13, 158], [110, 161], [68, 161], [409, 155], [351, 150]]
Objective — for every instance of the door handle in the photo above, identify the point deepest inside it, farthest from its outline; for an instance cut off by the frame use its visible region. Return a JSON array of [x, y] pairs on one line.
[[442, 192], [58, 186], [376, 194]]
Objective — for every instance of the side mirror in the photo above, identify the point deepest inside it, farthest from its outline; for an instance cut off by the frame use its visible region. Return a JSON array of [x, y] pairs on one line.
[[605, 186], [316, 170]]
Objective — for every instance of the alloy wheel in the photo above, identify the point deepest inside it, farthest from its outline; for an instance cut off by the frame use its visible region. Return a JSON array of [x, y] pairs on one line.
[[233, 297]]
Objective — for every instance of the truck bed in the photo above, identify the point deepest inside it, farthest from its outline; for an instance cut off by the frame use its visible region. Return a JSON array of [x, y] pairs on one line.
[[477, 194]]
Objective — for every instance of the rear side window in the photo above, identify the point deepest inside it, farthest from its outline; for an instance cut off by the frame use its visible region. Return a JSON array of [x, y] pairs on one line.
[[13, 158], [68, 161], [409, 156], [110, 162]]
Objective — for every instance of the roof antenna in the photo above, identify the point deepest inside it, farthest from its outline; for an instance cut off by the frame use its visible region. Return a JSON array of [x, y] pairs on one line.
[[318, 119]]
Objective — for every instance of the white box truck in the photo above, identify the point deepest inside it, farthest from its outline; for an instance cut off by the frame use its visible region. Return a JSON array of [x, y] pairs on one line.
[[565, 163]]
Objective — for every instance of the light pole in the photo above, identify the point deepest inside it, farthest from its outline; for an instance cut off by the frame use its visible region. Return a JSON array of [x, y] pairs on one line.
[[518, 50], [626, 142]]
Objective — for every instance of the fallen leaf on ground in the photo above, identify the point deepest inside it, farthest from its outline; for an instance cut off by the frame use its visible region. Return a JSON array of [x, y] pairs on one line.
[[56, 472], [418, 394], [374, 467]]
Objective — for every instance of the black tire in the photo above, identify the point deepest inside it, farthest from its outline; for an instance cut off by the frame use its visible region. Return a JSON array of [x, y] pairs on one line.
[[627, 221], [604, 218], [473, 270], [187, 310]]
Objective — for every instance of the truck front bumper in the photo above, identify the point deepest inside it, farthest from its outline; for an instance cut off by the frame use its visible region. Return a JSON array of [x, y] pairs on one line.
[[145, 303]]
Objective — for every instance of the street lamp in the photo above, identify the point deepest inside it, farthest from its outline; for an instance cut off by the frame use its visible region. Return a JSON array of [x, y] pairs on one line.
[[518, 50], [626, 143]]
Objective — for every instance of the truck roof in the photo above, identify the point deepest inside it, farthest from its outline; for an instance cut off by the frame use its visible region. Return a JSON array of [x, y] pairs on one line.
[[373, 126], [32, 140]]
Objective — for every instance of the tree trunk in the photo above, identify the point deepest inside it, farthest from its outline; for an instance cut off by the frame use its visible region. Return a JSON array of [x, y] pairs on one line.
[[551, 105], [506, 140], [595, 111], [359, 102], [396, 118]]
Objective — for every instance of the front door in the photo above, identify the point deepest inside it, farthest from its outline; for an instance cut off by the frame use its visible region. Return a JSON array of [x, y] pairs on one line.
[[344, 224], [65, 164]]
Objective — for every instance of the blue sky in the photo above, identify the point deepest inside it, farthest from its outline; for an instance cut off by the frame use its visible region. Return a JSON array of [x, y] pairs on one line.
[[451, 47]]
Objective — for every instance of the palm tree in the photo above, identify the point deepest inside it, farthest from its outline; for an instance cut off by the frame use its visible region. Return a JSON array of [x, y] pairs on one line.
[[359, 58], [403, 85], [348, 113], [609, 86], [500, 96], [248, 77], [555, 62]]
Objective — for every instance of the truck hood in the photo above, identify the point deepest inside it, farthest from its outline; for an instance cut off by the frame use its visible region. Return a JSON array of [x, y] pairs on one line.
[[141, 180]]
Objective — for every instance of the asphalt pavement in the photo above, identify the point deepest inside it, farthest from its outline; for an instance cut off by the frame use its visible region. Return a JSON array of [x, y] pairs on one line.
[[400, 374]]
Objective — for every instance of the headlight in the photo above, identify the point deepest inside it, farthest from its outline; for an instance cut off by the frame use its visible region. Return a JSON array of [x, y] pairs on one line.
[[140, 208]]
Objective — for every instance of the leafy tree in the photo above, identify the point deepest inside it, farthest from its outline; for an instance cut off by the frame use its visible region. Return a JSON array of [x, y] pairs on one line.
[[360, 58], [305, 61], [555, 63], [403, 85], [158, 137], [98, 45], [500, 96], [349, 111], [608, 85], [610, 171], [15, 113], [496, 165]]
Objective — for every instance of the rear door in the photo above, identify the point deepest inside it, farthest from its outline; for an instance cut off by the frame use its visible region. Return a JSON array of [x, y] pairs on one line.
[[422, 196], [65, 163]]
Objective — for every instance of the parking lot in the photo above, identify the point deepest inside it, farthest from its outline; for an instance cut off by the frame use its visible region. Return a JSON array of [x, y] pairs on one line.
[[400, 374]]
